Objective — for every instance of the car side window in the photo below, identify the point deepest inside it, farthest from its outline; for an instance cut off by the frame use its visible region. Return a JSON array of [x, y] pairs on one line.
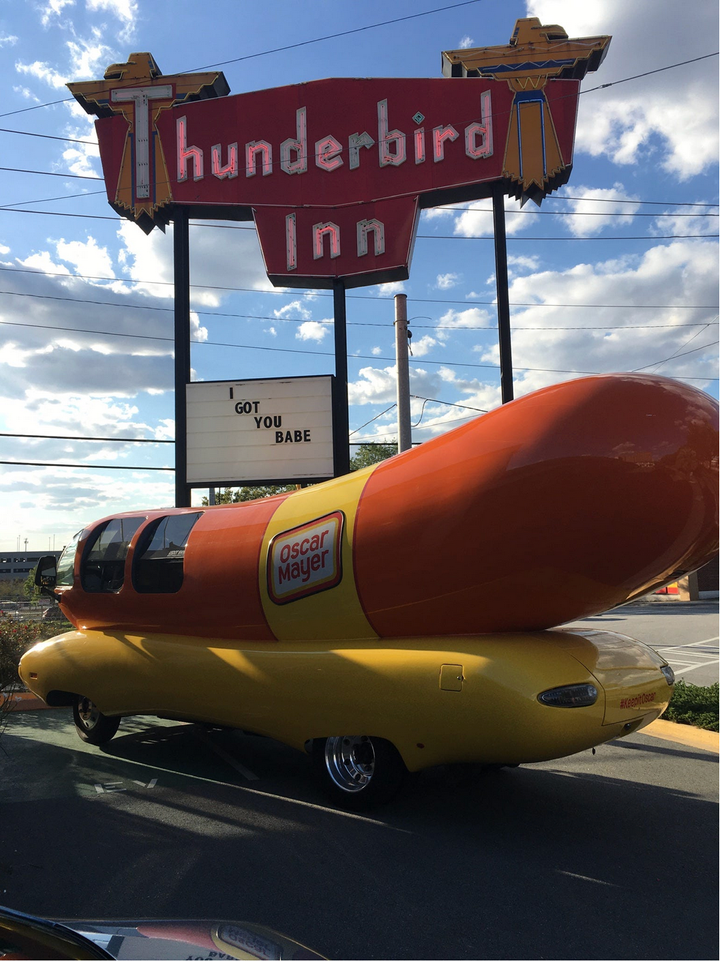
[[102, 570], [158, 564]]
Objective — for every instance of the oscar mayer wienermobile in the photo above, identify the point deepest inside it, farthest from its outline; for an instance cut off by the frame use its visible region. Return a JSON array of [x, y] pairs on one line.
[[401, 616]]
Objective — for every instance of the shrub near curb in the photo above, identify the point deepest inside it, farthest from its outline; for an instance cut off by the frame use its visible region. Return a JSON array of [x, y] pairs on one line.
[[692, 704]]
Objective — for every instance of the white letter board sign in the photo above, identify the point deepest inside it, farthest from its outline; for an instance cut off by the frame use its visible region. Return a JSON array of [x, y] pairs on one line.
[[243, 431]]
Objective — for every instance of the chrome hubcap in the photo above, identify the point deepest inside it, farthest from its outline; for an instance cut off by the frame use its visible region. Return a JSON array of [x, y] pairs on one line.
[[87, 713], [350, 761]]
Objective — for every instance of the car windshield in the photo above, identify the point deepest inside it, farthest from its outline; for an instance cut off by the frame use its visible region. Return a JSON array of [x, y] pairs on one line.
[[66, 563]]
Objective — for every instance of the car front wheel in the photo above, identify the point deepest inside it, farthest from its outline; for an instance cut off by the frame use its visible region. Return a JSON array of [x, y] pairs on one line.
[[358, 771], [91, 724]]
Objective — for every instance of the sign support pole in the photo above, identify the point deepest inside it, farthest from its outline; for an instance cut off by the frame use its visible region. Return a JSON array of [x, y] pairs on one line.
[[503, 297], [181, 250], [341, 419]]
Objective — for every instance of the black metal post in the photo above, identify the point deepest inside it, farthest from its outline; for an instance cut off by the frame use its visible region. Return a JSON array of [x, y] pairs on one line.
[[341, 419], [181, 249], [503, 297]]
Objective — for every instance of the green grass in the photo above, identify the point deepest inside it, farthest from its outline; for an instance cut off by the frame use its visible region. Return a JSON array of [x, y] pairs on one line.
[[694, 705]]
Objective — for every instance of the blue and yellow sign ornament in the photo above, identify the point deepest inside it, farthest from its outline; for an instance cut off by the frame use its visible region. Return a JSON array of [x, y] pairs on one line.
[[536, 54]]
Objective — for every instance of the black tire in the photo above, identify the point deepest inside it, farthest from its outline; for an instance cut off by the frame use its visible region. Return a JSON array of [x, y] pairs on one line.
[[357, 771], [91, 724]]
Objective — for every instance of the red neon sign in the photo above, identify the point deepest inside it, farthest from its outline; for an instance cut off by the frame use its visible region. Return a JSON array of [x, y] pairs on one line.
[[335, 172]]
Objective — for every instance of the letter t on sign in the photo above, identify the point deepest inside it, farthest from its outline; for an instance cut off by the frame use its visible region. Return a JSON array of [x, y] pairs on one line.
[[140, 97]]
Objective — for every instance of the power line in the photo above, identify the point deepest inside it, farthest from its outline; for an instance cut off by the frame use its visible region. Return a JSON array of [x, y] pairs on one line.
[[515, 239], [650, 73], [387, 409], [457, 209], [325, 353], [447, 403], [675, 357], [569, 213], [265, 53], [328, 323], [412, 16], [33, 463], [117, 440], [334, 36], [50, 173]]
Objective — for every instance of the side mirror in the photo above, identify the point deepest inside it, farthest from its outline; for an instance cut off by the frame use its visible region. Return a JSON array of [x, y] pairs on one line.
[[46, 572]]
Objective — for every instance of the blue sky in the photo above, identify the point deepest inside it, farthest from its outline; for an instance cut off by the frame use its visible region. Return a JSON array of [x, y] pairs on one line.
[[617, 271]]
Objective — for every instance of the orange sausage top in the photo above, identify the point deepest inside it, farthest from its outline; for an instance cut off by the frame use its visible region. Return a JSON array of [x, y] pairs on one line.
[[559, 505]]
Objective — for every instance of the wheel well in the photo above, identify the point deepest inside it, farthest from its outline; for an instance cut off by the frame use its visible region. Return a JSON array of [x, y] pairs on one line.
[[60, 699]]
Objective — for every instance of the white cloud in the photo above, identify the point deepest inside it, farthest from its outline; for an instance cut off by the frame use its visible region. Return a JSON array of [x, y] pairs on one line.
[[520, 262], [26, 93], [88, 258], [312, 330], [471, 317], [379, 386], [686, 220], [149, 257], [44, 72], [590, 217], [424, 345], [476, 219], [466, 42], [674, 277], [125, 10], [88, 58], [54, 8], [447, 281], [43, 261], [678, 108], [8, 40], [4, 249], [295, 309], [390, 289]]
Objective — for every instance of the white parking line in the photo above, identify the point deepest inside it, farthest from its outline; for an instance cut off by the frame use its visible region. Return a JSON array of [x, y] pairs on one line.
[[583, 877], [694, 667], [684, 658]]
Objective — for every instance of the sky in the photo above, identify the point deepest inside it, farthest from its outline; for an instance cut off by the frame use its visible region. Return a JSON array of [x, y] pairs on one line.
[[617, 271]]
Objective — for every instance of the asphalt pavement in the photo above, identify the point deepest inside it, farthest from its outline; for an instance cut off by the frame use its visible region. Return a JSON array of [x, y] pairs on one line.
[[605, 855]]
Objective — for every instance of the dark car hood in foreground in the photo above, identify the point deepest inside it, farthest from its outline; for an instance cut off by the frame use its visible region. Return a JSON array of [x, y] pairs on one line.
[[24, 936]]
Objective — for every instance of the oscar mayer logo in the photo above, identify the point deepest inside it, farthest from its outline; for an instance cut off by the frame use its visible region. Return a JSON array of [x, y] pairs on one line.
[[306, 559]]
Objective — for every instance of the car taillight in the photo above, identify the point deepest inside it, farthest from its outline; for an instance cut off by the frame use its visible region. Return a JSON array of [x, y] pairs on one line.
[[572, 695]]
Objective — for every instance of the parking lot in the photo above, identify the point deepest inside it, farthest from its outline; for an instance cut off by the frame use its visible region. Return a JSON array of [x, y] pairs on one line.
[[610, 854]]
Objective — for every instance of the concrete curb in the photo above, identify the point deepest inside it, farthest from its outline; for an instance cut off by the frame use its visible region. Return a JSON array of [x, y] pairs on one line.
[[683, 734]]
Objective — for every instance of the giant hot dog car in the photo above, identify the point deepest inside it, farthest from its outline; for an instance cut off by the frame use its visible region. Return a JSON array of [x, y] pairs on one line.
[[406, 615]]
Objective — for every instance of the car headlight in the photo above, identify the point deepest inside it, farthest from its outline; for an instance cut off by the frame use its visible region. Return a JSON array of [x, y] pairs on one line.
[[572, 695], [669, 674]]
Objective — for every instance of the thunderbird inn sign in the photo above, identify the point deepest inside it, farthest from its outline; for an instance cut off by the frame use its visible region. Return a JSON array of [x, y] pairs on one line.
[[335, 172]]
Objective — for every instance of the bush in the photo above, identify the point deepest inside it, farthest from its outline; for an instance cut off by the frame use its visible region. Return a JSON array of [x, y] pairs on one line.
[[692, 704], [16, 636]]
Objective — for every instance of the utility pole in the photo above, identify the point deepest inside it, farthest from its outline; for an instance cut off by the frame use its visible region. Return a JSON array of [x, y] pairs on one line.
[[403, 373], [181, 250]]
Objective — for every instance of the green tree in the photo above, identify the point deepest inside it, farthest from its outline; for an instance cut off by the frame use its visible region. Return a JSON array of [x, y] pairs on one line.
[[29, 588], [369, 454]]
